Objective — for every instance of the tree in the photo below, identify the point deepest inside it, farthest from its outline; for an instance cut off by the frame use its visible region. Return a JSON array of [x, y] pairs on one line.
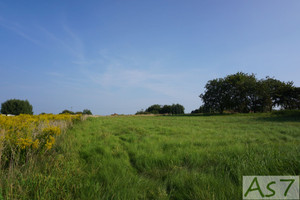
[[86, 112], [216, 96], [276, 93], [154, 109], [67, 112], [177, 109], [201, 109], [242, 92], [166, 109], [241, 88], [235, 92], [16, 107], [142, 112]]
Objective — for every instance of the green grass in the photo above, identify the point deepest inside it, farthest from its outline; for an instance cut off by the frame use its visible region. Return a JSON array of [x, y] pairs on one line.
[[160, 157]]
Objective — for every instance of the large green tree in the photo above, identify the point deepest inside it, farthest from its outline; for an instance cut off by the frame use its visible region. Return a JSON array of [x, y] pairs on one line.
[[242, 92], [16, 107], [216, 97]]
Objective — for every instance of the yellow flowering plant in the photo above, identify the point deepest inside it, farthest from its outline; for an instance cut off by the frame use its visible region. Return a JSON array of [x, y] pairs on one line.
[[24, 134]]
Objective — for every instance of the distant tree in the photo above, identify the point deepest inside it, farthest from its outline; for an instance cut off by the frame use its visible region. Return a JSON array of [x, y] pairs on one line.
[[201, 109], [263, 100], [78, 113], [275, 93], [177, 109], [289, 96], [86, 112], [166, 109], [196, 111], [216, 97], [16, 107], [242, 92], [296, 98], [142, 112], [154, 109], [67, 112], [235, 92]]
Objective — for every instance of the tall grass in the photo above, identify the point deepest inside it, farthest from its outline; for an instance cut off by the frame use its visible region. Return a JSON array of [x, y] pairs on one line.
[[160, 157]]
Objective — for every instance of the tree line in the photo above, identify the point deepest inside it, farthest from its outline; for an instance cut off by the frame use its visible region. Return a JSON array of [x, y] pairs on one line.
[[17, 107], [173, 109], [242, 92]]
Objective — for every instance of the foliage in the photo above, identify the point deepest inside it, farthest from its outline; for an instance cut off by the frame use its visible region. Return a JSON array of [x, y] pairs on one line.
[[173, 109], [166, 109], [243, 93], [160, 157], [201, 109], [142, 112], [67, 112], [177, 109], [16, 107], [154, 109], [24, 135], [86, 112]]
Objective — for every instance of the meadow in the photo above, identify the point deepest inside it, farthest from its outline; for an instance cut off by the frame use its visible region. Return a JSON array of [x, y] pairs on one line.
[[159, 157]]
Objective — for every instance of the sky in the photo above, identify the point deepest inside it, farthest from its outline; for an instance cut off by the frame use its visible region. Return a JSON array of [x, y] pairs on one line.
[[116, 56]]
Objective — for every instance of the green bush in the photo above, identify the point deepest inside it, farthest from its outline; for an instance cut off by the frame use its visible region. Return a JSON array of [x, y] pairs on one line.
[[16, 107]]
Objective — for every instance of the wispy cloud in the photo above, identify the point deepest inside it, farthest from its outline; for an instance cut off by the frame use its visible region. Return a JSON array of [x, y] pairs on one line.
[[73, 46], [108, 70], [18, 29], [124, 75]]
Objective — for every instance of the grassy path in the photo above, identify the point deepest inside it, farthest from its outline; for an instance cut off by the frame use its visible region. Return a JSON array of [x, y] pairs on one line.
[[201, 157]]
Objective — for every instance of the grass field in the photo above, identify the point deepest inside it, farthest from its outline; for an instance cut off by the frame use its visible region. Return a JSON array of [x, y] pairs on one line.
[[160, 157]]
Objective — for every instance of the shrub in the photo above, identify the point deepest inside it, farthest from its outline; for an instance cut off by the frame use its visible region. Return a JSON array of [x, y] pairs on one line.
[[23, 136]]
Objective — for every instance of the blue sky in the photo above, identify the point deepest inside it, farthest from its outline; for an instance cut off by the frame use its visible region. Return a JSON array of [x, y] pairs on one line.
[[121, 56]]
